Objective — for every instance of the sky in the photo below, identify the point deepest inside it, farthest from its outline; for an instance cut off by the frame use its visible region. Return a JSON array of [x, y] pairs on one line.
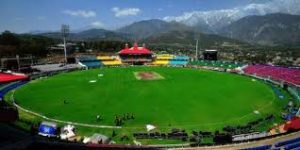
[[23, 16]]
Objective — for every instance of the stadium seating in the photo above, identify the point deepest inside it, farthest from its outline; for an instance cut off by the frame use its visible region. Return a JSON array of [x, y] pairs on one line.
[[287, 142], [2, 85], [175, 62], [264, 147], [292, 145], [55, 67], [109, 60], [7, 77], [290, 75], [7, 82], [179, 60], [277, 92], [9, 87], [162, 59], [167, 59], [293, 124], [298, 148], [89, 61], [161, 62], [218, 64]]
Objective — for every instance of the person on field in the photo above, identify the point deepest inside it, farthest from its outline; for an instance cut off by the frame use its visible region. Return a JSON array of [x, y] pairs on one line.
[[98, 118]]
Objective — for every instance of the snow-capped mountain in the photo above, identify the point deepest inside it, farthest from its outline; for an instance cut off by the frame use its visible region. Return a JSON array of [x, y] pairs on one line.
[[271, 29], [217, 19]]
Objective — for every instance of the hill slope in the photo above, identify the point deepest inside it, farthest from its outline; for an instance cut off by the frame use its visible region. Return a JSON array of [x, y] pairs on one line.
[[90, 34], [144, 29], [272, 29], [188, 37]]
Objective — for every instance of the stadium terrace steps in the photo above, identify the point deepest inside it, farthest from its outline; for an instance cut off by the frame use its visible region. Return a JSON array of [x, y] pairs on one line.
[[298, 148], [13, 81], [277, 92], [112, 63], [219, 64], [293, 143], [160, 62], [179, 60], [7, 77], [290, 75], [89, 61], [287, 142], [264, 147], [3, 85], [9, 87], [104, 58], [109, 60], [91, 64], [167, 59], [164, 57], [55, 67], [175, 62]]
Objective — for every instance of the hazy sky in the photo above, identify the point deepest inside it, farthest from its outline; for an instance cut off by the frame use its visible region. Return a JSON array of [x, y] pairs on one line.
[[31, 15]]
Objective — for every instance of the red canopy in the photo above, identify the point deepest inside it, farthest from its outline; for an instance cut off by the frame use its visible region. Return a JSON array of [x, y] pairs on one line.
[[135, 50], [5, 77]]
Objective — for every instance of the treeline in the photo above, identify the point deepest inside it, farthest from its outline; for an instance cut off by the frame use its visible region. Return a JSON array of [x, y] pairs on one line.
[[13, 44], [105, 46]]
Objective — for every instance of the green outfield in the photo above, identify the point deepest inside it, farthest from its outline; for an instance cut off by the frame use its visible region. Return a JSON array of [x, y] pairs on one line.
[[164, 97]]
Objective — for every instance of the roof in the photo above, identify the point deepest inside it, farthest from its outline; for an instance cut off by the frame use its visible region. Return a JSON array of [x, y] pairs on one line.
[[135, 50]]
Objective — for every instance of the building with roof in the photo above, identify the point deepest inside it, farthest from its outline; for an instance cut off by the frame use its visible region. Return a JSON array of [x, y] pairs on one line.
[[136, 55]]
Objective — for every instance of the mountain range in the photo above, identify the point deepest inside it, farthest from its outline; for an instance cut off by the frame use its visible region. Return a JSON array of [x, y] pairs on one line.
[[271, 30], [152, 32], [214, 20], [143, 29]]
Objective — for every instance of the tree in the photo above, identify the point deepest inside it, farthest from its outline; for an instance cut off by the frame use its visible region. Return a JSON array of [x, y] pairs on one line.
[[8, 38]]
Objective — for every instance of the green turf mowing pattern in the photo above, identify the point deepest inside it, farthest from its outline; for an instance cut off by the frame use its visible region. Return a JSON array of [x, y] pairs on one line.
[[185, 98]]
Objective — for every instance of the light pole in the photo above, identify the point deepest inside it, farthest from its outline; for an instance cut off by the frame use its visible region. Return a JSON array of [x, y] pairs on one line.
[[197, 50], [65, 30]]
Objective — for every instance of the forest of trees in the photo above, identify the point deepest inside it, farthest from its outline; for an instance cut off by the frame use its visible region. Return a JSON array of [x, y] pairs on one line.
[[15, 44], [12, 44]]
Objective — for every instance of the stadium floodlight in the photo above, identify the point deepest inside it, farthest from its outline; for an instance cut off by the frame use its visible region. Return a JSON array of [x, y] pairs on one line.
[[196, 37], [18, 61], [65, 30], [197, 50]]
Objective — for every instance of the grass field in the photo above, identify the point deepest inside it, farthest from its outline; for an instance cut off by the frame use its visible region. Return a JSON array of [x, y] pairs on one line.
[[182, 97]]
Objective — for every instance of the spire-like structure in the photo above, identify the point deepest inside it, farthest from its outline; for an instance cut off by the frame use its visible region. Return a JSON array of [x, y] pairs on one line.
[[135, 45]]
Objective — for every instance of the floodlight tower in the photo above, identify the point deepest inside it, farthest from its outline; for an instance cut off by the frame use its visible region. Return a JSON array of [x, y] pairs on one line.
[[65, 30], [197, 35], [197, 50]]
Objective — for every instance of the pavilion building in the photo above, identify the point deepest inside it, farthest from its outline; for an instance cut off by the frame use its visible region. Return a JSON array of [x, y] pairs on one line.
[[136, 55]]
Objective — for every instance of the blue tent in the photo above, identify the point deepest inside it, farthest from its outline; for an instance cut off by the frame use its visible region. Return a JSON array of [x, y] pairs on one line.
[[47, 129]]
